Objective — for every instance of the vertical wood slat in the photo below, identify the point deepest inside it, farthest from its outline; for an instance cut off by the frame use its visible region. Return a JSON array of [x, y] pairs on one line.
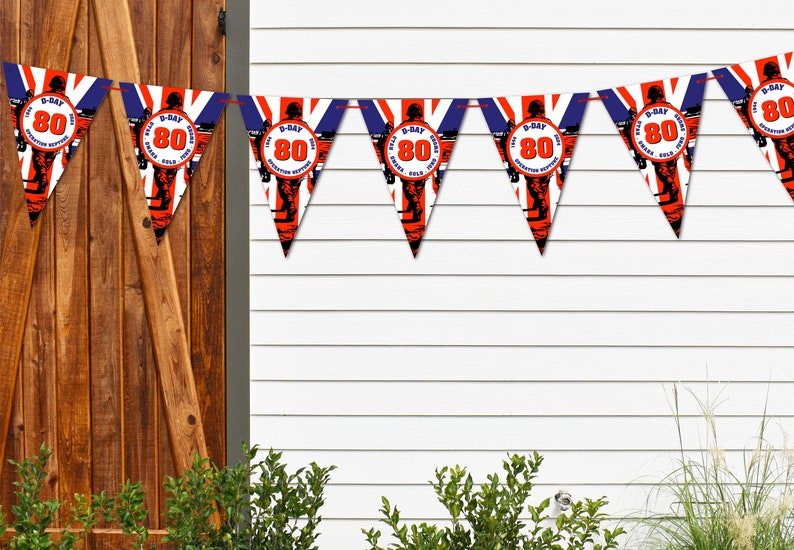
[[20, 242], [10, 191], [70, 212], [106, 306], [39, 362], [9, 168], [174, 35], [155, 262], [208, 300], [141, 396]]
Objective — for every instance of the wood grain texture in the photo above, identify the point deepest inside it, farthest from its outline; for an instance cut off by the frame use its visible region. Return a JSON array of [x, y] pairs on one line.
[[157, 273], [88, 386], [10, 191], [106, 290], [20, 243], [73, 392], [208, 303], [141, 392], [173, 35]]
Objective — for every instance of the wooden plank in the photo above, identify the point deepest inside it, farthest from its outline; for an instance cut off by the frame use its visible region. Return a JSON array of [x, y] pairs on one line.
[[10, 191], [155, 262], [20, 243], [73, 391], [39, 361], [140, 399], [10, 194], [106, 304], [141, 394], [173, 69], [15, 447], [208, 301]]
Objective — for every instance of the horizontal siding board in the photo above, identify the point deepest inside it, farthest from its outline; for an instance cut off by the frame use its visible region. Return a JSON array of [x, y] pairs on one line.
[[521, 434], [495, 293], [581, 223], [417, 467], [562, 364], [488, 45], [345, 14], [509, 398], [518, 255], [524, 328], [352, 80]]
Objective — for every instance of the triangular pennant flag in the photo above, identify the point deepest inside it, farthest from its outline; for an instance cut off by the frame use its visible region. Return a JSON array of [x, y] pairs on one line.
[[51, 111], [658, 121], [763, 97], [413, 139], [535, 136], [170, 128], [290, 139]]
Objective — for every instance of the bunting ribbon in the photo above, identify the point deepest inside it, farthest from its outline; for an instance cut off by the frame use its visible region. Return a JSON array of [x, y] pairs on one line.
[[50, 112], [413, 139]]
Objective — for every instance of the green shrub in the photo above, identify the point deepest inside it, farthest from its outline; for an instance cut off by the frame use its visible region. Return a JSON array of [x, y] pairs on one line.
[[250, 505], [490, 517], [260, 505]]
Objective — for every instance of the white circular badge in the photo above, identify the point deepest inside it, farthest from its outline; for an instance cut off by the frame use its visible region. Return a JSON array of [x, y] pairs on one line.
[[289, 149], [660, 132], [413, 151], [49, 122], [536, 147], [771, 109], [169, 139]]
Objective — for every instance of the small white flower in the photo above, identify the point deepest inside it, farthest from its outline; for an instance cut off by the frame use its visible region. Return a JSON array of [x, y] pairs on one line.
[[742, 530]]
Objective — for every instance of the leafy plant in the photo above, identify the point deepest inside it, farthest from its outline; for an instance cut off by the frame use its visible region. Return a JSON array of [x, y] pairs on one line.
[[250, 505], [717, 506], [128, 510], [489, 517], [34, 516]]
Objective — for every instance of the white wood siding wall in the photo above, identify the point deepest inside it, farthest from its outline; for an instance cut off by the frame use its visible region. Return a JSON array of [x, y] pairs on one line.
[[389, 366]]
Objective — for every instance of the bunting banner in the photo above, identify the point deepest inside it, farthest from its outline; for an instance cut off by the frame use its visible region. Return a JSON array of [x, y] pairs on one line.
[[659, 121], [50, 111], [170, 128], [413, 140], [763, 97], [537, 149], [290, 139]]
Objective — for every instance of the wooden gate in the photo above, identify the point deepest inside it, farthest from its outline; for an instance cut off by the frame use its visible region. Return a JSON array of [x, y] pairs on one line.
[[87, 381]]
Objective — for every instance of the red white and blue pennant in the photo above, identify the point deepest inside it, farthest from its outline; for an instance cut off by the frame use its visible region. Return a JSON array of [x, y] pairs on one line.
[[763, 97], [535, 137], [658, 122], [413, 140], [50, 111], [170, 128], [290, 139]]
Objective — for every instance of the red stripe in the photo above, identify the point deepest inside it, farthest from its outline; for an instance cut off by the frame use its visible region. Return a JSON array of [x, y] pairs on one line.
[[507, 108]]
